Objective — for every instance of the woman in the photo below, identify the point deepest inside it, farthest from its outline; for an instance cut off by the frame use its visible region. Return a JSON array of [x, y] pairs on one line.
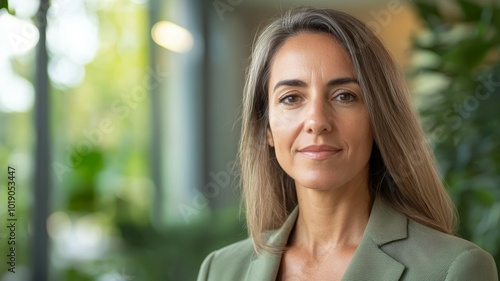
[[337, 179]]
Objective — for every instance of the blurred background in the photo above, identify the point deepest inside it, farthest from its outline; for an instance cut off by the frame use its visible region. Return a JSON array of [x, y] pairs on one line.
[[120, 118]]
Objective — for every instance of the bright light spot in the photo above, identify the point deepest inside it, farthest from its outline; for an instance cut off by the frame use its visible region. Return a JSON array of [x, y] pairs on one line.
[[77, 239], [16, 93], [17, 36], [64, 72], [88, 232], [172, 37], [58, 225], [65, 6], [24, 8], [74, 35]]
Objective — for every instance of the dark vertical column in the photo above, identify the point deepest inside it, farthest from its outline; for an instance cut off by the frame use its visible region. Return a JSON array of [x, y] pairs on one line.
[[41, 192], [195, 84], [204, 8], [156, 122]]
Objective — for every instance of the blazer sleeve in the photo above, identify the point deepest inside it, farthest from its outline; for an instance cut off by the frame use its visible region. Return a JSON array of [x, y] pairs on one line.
[[205, 268], [473, 264]]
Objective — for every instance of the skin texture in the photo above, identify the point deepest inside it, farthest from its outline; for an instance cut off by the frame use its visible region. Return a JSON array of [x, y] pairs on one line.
[[314, 99]]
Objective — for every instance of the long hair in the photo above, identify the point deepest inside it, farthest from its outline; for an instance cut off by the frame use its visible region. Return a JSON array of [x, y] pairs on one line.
[[402, 168]]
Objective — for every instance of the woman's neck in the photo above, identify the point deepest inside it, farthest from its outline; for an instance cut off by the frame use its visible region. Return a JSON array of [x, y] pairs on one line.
[[331, 218]]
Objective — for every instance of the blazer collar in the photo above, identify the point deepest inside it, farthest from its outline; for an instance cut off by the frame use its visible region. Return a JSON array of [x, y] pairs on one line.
[[266, 265], [369, 262]]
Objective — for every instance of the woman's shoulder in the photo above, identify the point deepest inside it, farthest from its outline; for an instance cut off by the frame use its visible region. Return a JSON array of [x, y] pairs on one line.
[[414, 239], [422, 235], [237, 251], [449, 255], [228, 262]]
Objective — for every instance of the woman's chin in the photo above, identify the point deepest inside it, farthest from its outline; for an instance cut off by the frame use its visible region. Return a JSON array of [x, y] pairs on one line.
[[319, 184]]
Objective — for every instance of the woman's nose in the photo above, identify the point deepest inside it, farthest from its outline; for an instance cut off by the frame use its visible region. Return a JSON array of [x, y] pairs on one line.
[[319, 118]]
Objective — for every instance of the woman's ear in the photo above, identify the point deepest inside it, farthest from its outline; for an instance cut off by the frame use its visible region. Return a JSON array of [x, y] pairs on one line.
[[270, 139]]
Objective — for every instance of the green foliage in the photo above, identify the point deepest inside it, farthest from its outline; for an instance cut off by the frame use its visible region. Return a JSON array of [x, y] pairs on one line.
[[177, 252], [461, 114], [4, 4], [142, 251], [81, 188]]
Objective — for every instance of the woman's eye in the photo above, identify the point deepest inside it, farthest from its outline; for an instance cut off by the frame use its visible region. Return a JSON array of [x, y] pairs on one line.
[[290, 99], [345, 97]]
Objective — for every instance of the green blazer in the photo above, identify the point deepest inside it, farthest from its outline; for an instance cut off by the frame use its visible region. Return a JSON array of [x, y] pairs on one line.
[[393, 247]]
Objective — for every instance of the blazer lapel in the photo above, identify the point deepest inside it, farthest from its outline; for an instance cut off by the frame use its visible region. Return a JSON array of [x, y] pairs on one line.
[[370, 262], [265, 267]]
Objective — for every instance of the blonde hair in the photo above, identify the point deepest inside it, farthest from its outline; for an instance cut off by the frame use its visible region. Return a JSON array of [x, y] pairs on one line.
[[402, 168]]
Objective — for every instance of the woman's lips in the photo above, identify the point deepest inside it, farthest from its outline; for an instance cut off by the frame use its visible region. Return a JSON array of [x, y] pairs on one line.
[[319, 152]]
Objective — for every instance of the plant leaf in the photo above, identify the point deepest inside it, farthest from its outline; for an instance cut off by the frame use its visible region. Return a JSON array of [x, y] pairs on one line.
[[470, 10], [430, 13], [4, 4]]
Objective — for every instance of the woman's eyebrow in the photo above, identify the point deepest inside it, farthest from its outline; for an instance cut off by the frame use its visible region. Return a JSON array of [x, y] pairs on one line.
[[290, 82], [300, 83], [343, 80]]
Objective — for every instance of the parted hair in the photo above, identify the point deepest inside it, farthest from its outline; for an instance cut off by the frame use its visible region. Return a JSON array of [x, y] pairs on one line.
[[402, 169]]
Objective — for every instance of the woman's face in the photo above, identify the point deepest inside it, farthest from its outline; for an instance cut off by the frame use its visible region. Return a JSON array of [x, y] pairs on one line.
[[318, 121]]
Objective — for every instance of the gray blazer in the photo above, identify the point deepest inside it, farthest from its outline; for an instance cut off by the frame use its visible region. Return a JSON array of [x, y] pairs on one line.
[[393, 247]]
